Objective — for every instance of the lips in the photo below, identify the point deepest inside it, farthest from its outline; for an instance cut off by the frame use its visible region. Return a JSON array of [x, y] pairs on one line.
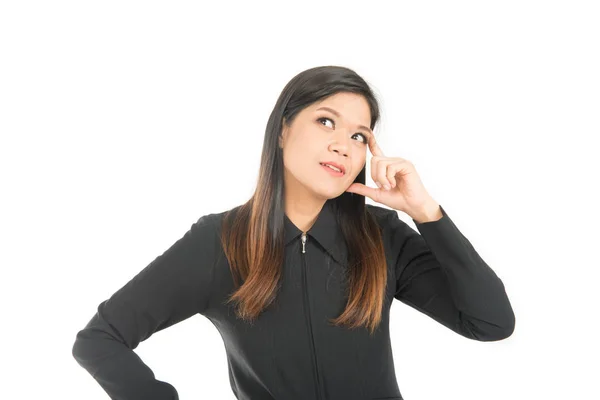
[[332, 171], [341, 167]]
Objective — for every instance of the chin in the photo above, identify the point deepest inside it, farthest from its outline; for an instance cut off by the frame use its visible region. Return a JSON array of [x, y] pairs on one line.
[[326, 194], [332, 194]]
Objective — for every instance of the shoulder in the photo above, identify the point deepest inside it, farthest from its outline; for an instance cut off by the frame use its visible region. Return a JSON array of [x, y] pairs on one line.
[[390, 222], [384, 216], [203, 238], [378, 210], [210, 224], [218, 217]]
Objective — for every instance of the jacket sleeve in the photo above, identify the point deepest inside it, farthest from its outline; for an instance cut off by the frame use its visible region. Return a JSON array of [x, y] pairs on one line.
[[172, 288], [439, 273]]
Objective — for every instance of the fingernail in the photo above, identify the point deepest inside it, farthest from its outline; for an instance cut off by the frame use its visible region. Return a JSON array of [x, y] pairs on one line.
[[378, 185], [387, 187]]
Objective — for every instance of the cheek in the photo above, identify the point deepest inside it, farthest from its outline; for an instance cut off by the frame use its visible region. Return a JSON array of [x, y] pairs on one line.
[[360, 164]]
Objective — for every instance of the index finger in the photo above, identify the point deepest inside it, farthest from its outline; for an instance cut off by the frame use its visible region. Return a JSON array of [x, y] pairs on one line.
[[374, 147]]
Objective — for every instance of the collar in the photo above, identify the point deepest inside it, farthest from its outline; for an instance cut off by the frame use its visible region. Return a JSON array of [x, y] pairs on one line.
[[326, 231]]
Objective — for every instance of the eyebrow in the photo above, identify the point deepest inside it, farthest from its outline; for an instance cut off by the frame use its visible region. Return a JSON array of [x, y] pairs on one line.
[[337, 114]]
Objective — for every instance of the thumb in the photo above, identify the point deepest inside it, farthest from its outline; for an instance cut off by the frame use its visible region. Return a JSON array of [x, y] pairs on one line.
[[361, 189]]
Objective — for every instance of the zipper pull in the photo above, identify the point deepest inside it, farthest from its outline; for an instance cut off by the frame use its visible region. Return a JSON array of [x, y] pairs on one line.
[[303, 242]]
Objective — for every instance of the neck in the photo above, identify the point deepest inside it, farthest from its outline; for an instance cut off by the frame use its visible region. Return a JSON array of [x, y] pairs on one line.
[[302, 208]]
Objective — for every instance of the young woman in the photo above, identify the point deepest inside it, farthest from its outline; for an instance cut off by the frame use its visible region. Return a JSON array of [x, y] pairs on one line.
[[299, 280]]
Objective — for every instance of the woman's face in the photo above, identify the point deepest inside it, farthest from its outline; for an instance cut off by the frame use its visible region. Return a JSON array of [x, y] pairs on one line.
[[318, 136]]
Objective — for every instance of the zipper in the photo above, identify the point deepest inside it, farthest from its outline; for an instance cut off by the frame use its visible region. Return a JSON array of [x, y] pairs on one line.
[[308, 319]]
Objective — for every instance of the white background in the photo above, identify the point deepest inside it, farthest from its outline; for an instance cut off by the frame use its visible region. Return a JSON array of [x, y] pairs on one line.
[[123, 122]]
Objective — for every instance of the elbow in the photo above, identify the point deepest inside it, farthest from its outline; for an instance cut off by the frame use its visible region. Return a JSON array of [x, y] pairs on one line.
[[88, 350], [490, 334], [87, 345], [487, 331], [78, 350], [500, 332], [508, 326]]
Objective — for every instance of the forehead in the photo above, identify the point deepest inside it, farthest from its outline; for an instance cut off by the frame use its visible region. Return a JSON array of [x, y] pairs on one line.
[[352, 103]]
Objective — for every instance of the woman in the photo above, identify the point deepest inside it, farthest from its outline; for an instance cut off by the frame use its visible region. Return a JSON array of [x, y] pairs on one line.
[[299, 280]]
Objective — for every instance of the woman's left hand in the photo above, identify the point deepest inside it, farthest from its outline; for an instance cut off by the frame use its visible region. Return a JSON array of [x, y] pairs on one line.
[[407, 192]]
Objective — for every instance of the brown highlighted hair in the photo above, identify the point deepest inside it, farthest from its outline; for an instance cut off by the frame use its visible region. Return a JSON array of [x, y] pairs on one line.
[[254, 241]]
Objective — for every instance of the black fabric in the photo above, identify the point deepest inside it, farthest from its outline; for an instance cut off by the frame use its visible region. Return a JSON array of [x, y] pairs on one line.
[[292, 351]]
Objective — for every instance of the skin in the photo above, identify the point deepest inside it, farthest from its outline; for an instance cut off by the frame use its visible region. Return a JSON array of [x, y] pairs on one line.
[[310, 140]]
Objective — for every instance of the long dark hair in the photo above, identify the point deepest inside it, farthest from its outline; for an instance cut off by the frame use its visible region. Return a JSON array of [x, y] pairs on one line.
[[253, 243]]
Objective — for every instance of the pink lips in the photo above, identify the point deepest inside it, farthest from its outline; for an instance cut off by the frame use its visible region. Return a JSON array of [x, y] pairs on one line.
[[334, 164], [332, 172]]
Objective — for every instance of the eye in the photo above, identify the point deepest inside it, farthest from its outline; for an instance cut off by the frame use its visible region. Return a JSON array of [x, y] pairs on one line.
[[365, 138], [323, 118]]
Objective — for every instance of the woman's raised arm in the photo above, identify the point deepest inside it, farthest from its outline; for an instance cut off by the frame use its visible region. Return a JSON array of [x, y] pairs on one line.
[[439, 273]]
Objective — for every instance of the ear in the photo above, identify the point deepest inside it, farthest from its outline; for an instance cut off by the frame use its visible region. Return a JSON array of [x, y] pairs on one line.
[[283, 133]]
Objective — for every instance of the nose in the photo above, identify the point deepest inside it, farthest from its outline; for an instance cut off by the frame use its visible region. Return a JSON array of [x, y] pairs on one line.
[[340, 146], [343, 152]]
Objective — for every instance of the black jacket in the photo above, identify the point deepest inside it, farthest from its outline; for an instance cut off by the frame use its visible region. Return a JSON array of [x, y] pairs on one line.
[[291, 352]]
